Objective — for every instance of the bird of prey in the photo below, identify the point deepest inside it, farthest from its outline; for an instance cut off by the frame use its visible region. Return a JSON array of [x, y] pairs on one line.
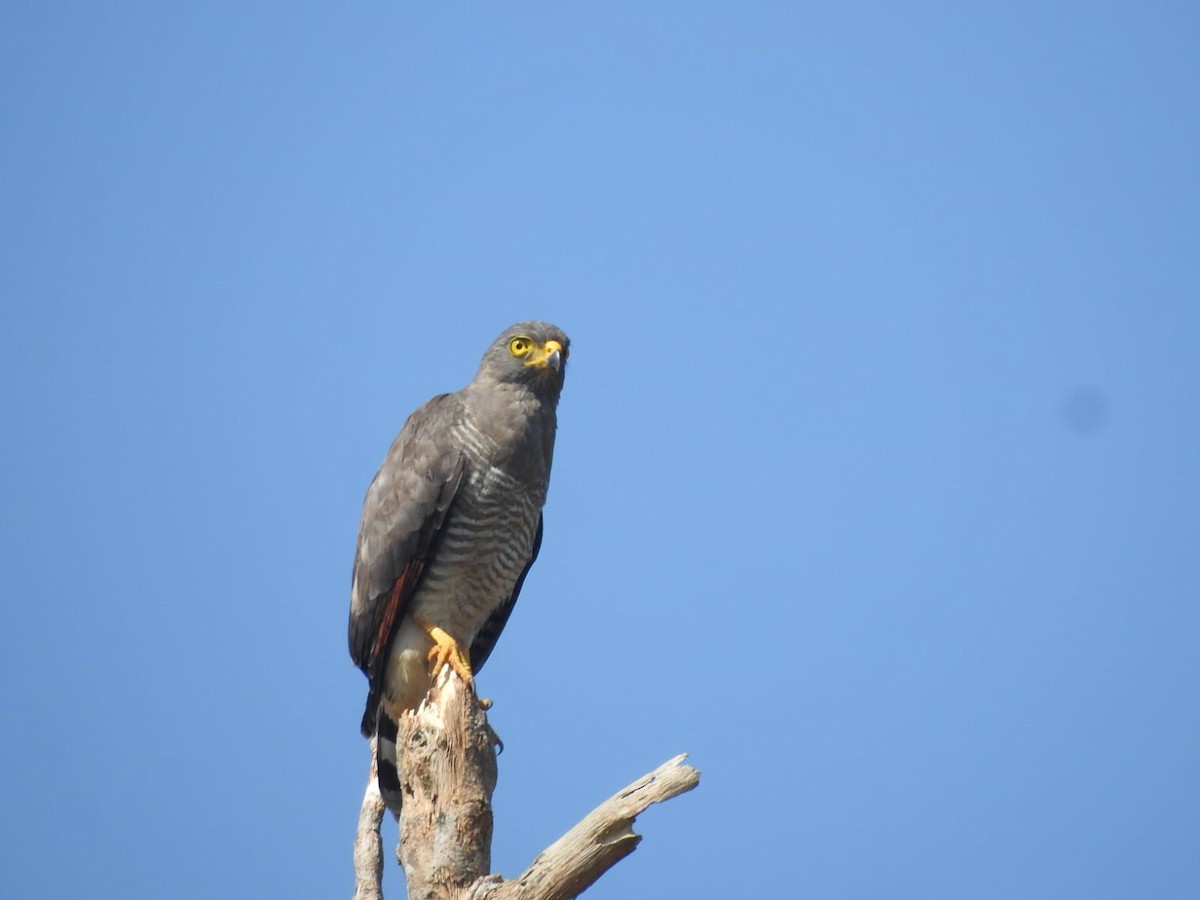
[[450, 526]]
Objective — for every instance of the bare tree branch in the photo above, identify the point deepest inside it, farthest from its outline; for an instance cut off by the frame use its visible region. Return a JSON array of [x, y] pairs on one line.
[[603, 838], [447, 775], [368, 845]]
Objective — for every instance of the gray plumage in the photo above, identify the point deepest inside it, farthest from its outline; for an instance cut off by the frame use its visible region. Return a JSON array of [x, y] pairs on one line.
[[451, 524]]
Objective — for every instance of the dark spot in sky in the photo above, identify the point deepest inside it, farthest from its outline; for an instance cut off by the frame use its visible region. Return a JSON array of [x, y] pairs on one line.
[[1086, 410]]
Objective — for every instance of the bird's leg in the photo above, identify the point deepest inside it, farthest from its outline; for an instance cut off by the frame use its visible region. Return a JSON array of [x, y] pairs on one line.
[[445, 651]]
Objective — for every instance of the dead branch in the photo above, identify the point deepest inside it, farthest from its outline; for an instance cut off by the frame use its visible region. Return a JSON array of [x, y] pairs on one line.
[[368, 846], [603, 838], [447, 775]]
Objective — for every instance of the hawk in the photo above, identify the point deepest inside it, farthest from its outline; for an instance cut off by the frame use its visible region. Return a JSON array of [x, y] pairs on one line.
[[450, 526]]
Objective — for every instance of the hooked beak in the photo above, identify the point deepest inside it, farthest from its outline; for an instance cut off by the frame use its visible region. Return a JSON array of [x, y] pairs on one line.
[[553, 355]]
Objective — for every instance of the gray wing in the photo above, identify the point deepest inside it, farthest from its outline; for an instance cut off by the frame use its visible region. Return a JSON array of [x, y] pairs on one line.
[[402, 518]]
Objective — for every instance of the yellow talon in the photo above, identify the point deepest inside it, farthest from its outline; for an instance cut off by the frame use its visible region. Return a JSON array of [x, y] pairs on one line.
[[446, 651]]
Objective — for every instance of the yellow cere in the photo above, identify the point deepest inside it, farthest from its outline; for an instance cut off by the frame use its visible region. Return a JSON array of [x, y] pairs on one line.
[[542, 358]]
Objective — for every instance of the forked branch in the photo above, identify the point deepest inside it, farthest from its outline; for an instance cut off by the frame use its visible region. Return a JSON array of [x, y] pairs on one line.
[[448, 773]]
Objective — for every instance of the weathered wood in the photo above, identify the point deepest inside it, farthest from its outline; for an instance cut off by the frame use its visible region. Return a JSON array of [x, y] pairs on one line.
[[448, 774], [603, 838], [368, 845]]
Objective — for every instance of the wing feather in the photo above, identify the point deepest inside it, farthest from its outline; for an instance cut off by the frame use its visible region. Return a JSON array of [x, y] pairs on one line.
[[403, 514]]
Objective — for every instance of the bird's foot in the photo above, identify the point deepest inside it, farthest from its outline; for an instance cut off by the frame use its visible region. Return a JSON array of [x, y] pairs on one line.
[[446, 651]]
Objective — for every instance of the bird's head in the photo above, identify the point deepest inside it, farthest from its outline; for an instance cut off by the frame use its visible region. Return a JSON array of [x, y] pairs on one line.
[[528, 353]]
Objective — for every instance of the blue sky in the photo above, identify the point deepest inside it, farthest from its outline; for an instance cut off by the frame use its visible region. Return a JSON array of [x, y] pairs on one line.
[[878, 478]]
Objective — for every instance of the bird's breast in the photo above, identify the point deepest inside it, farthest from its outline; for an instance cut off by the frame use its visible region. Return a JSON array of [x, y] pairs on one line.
[[486, 542]]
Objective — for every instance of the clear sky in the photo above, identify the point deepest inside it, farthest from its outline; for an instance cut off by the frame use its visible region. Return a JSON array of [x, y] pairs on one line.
[[878, 478]]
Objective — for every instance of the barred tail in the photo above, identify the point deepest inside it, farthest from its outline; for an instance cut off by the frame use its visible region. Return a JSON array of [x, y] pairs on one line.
[[387, 763], [368, 720]]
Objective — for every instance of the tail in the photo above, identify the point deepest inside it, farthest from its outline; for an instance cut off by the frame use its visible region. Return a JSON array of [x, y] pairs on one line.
[[368, 720], [387, 763]]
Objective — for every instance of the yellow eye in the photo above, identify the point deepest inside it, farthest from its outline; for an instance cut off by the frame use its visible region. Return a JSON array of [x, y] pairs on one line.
[[520, 346]]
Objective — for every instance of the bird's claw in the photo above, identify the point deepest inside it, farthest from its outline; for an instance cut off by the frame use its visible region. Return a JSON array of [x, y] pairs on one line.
[[447, 651]]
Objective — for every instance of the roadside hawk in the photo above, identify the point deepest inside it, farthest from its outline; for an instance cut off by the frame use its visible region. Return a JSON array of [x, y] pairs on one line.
[[450, 526]]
